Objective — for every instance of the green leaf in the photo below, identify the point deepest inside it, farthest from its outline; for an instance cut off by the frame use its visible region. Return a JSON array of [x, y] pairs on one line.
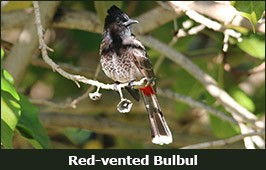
[[222, 129], [102, 7], [242, 30], [259, 100], [242, 98], [10, 114], [254, 45], [7, 84], [30, 126], [7, 76], [18, 112], [2, 55], [10, 107], [252, 10]]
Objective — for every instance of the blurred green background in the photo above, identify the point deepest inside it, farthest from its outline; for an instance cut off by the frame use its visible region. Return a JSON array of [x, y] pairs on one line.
[[80, 49]]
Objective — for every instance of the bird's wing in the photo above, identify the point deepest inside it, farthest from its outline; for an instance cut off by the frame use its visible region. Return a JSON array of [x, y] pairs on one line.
[[141, 58], [134, 48], [143, 62]]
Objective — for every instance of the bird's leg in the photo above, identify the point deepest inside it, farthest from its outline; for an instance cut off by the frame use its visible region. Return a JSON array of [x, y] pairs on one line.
[[124, 106], [96, 95], [117, 88]]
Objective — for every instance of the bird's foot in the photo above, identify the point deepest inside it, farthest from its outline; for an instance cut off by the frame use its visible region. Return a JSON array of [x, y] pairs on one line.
[[150, 82], [130, 84], [124, 106]]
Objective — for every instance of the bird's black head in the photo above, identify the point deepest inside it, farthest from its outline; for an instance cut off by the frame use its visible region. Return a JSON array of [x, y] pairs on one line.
[[117, 17]]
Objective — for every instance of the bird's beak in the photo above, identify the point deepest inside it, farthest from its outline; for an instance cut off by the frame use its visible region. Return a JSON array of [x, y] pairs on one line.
[[131, 21]]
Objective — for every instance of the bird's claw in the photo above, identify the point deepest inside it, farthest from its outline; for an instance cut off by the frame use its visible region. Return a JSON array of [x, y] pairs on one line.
[[95, 96], [124, 106], [130, 84], [150, 82]]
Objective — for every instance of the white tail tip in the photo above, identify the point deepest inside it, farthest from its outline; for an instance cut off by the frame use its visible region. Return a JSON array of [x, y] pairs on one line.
[[162, 140]]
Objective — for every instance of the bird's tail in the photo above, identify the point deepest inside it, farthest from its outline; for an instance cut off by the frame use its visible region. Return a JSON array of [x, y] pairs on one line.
[[159, 128]]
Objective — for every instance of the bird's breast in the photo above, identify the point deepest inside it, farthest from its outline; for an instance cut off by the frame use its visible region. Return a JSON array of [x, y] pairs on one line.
[[118, 68]]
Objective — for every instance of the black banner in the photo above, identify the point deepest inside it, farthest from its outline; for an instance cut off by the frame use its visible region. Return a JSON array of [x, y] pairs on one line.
[[132, 159]]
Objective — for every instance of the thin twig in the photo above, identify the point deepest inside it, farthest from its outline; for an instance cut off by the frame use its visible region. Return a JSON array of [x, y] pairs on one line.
[[223, 141], [46, 103], [208, 23], [225, 13], [239, 113], [161, 58], [85, 95], [225, 41], [243, 115], [75, 78], [192, 31], [247, 139], [181, 33], [165, 93], [89, 72], [27, 41], [193, 103], [68, 104], [208, 82], [88, 21]]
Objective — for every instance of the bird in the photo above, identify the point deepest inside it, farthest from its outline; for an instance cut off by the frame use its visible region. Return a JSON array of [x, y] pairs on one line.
[[124, 59]]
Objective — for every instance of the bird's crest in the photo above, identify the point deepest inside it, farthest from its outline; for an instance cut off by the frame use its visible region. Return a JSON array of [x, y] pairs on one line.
[[115, 11], [114, 14]]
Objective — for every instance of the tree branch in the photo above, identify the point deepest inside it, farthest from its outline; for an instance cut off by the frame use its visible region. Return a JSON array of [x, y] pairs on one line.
[[114, 128], [225, 13], [165, 93], [240, 114], [15, 18], [88, 72], [243, 115], [27, 43], [88, 21], [153, 19], [223, 141], [193, 103], [71, 104], [208, 82], [222, 28], [77, 78], [76, 19], [207, 22]]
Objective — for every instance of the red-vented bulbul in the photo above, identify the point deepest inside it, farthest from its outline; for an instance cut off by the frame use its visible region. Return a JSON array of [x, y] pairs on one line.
[[124, 59]]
